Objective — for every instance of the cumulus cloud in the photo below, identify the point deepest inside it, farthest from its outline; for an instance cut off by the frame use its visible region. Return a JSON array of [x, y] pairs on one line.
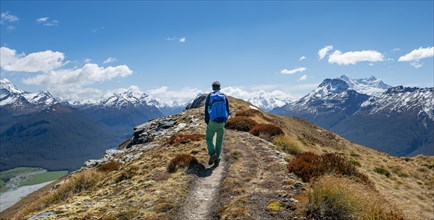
[[293, 71], [34, 62], [71, 83], [176, 97], [52, 72], [353, 57], [416, 55], [46, 21], [304, 77], [182, 40], [302, 58], [88, 74], [110, 60], [324, 51]]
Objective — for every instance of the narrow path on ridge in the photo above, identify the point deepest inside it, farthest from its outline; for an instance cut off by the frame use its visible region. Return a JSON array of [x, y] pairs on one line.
[[204, 194]]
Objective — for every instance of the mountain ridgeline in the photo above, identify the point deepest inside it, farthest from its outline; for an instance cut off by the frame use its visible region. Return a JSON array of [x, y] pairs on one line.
[[272, 167], [397, 120], [37, 129]]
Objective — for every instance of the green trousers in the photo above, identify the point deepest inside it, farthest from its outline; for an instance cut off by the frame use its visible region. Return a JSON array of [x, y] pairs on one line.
[[211, 130]]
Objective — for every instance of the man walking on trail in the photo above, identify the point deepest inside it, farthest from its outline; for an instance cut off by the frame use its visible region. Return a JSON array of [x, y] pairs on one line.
[[216, 114]]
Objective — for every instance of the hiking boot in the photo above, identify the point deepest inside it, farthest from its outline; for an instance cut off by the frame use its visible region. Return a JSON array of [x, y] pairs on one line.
[[211, 159], [217, 162]]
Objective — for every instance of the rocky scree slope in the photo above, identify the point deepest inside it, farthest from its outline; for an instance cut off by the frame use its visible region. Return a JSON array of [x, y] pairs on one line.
[[154, 175]]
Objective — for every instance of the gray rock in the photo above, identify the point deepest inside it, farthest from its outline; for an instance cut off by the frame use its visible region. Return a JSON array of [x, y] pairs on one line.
[[44, 215], [198, 102]]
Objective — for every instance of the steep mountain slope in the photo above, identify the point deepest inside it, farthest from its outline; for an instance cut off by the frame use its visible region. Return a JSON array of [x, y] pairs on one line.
[[398, 120], [18, 101], [154, 178], [327, 105], [37, 129], [121, 111], [56, 139], [402, 118]]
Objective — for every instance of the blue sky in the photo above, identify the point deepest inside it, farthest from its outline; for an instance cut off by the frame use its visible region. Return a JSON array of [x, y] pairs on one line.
[[181, 47]]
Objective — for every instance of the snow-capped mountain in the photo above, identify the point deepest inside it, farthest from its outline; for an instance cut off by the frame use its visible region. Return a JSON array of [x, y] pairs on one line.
[[398, 120], [268, 103], [419, 101], [369, 86], [262, 99], [332, 96], [16, 99], [131, 97]]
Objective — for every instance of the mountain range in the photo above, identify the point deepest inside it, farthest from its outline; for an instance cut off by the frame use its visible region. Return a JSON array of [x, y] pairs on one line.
[[37, 129], [398, 120], [306, 172]]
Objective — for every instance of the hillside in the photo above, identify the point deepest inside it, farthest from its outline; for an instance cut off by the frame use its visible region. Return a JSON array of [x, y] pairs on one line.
[[56, 139], [165, 176]]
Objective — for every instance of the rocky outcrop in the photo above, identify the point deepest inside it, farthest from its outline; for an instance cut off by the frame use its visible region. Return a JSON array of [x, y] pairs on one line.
[[198, 102]]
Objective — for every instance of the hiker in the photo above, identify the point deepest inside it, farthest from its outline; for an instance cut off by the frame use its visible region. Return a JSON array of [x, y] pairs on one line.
[[216, 114]]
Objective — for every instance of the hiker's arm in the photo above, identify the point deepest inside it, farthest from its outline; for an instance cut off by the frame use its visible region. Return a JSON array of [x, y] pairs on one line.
[[206, 110], [227, 106]]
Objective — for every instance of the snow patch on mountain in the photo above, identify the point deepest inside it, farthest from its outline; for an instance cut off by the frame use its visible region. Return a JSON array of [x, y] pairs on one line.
[[369, 86], [262, 99], [11, 95], [403, 99]]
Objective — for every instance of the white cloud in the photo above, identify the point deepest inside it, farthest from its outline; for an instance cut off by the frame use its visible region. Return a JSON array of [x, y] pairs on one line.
[[396, 49], [5, 17], [324, 51], [304, 77], [353, 57], [34, 62], [417, 55], [88, 74], [52, 72], [46, 21], [110, 60], [71, 83], [293, 71], [181, 96], [302, 58], [179, 39]]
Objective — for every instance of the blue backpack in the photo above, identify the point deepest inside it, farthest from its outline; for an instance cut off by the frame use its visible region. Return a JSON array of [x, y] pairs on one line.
[[217, 107]]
